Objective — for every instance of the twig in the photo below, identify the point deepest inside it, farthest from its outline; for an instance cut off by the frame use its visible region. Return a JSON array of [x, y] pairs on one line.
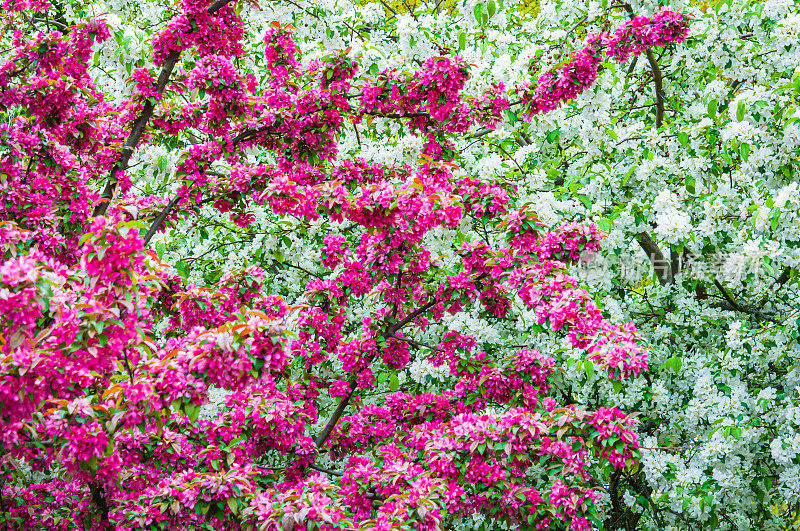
[[417, 343]]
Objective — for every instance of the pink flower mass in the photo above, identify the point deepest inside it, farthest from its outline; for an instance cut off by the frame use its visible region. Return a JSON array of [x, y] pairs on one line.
[[110, 361]]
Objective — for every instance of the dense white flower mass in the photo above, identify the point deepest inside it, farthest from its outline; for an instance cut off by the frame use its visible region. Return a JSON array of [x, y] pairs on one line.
[[673, 226], [688, 159]]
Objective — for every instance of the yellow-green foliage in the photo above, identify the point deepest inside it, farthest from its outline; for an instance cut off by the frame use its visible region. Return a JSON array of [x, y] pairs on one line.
[[704, 5], [529, 7]]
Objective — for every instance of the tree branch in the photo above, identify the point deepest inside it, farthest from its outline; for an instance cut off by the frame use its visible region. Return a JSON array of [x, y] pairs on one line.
[[337, 414], [659, 81], [159, 220], [657, 77], [390, 331], [742, 308], [662, 266], [417, 343]]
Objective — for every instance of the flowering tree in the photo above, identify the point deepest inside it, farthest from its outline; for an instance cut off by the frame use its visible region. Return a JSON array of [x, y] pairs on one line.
[[261, 271], [689, 160]]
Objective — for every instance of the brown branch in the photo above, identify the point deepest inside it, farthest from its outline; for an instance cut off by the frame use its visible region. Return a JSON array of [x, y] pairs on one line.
[[659, 81], [159, 220], [337, 414], [657, 77], [742, 308], [398, 115], [480, 133], [674, 263], [141, 123], [779, 282], [661, 265], [392, 330]]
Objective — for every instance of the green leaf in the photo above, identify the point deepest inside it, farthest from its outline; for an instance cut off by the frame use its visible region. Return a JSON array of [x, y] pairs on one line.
[[462, 40], [134, 225], [589, 367], [712, 109], [690, 184], [374, 69], [673, 363], [478, 12], [744, 149], [491, 8], [183, 268], [192, 411], [740, 111], [394, 383], [512, 116], [233, 505], [683, 138]]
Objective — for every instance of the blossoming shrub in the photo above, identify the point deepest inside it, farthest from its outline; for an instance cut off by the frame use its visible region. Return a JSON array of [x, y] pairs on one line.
[[111, 352]]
